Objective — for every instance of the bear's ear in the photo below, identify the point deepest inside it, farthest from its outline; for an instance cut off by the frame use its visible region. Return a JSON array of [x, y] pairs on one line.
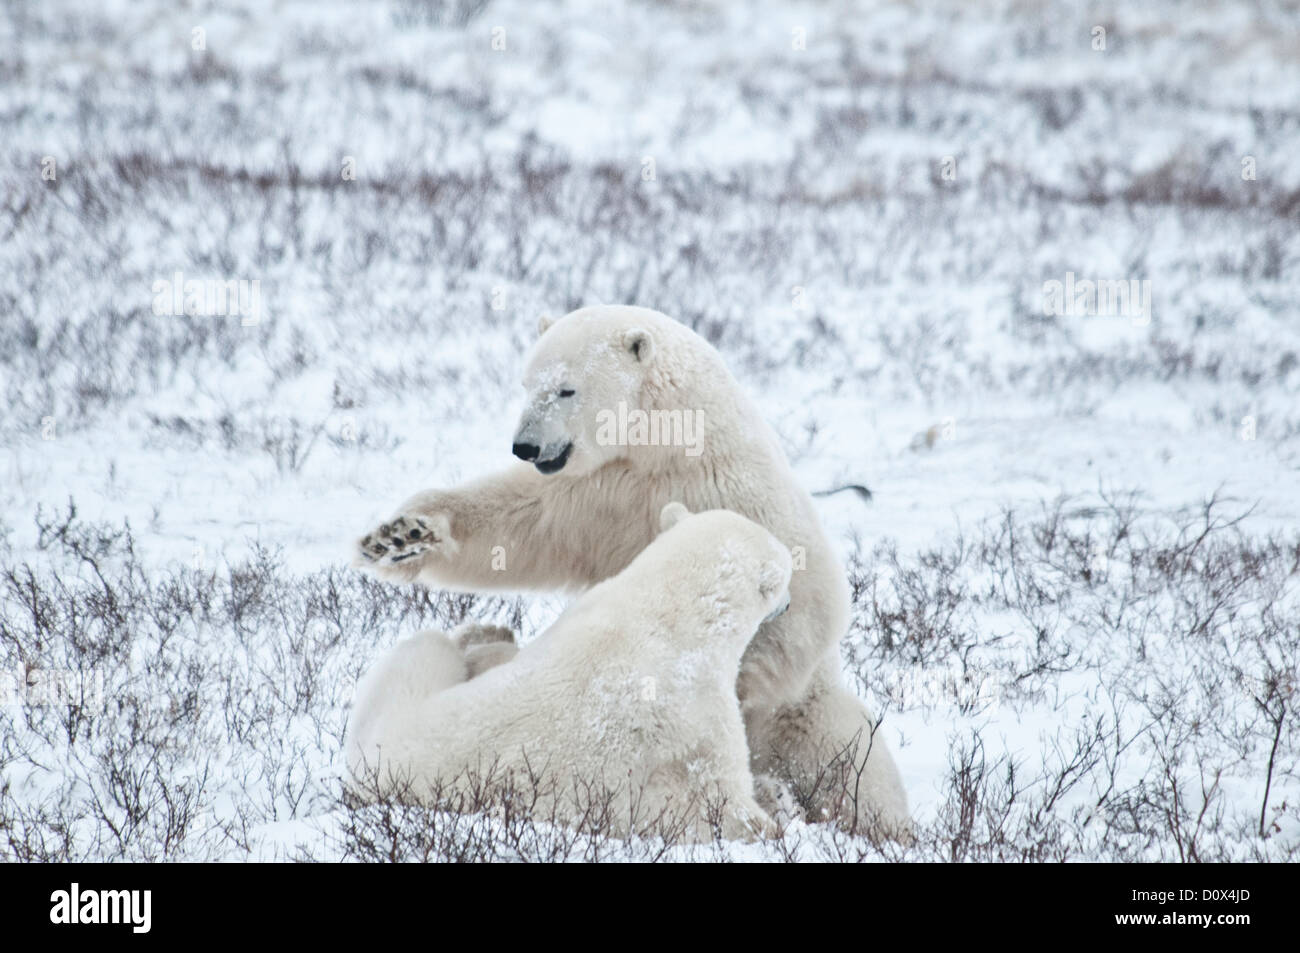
[[671, 515], [639, 344], [544, 323]]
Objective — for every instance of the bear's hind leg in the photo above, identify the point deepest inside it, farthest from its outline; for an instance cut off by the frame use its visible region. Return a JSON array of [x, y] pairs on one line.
[[410, 672], [485, 646], [828, 749], [743, 819]]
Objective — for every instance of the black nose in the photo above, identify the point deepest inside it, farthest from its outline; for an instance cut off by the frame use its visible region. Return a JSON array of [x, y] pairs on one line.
[[525, 451]]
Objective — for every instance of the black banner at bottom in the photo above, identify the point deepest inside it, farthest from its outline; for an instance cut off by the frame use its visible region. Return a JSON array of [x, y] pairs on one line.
[[140, 904]]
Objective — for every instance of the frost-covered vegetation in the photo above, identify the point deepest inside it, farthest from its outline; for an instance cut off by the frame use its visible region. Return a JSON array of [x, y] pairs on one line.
[[1075, 589]]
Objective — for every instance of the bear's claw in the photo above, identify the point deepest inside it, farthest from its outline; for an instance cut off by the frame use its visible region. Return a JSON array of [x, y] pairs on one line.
[[397, 541]]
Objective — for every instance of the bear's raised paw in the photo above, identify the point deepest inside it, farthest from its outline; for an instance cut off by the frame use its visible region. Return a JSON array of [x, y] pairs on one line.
[[403, 538]]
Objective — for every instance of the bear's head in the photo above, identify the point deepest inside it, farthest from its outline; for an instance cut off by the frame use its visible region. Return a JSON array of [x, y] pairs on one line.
[[734, 552], [586, 384]]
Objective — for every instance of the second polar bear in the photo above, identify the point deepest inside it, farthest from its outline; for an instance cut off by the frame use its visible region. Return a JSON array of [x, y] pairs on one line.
[[627, 701], [627, 410]]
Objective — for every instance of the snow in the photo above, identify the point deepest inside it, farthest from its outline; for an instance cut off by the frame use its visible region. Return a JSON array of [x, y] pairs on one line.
[[775, 168]]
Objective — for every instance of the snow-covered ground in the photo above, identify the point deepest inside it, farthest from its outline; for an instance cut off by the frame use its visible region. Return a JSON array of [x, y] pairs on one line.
[[859, 204]]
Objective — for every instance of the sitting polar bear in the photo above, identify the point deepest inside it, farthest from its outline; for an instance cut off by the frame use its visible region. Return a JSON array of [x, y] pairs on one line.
[[631, 691], [628, 410]]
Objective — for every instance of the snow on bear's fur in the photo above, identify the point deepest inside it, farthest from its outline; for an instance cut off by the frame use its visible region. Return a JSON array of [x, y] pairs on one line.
[[632, 689], [587, 501]]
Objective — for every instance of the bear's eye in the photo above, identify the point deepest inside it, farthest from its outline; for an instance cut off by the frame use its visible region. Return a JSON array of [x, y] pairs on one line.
[[566, 393]]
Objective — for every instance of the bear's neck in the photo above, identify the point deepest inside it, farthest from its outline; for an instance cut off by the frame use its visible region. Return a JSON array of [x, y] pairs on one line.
[[712, 428]]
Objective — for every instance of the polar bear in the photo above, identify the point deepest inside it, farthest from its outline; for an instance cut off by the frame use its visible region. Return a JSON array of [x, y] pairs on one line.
[[626, 411], [632, 690]]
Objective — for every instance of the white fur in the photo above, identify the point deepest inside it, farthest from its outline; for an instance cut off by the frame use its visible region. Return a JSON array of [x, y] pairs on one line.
[[573, 528], [632, 688]]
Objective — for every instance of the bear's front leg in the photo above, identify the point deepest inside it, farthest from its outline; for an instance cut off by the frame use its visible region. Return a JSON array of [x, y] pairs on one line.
[[446, 538], [515, 530], [443, 538]]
